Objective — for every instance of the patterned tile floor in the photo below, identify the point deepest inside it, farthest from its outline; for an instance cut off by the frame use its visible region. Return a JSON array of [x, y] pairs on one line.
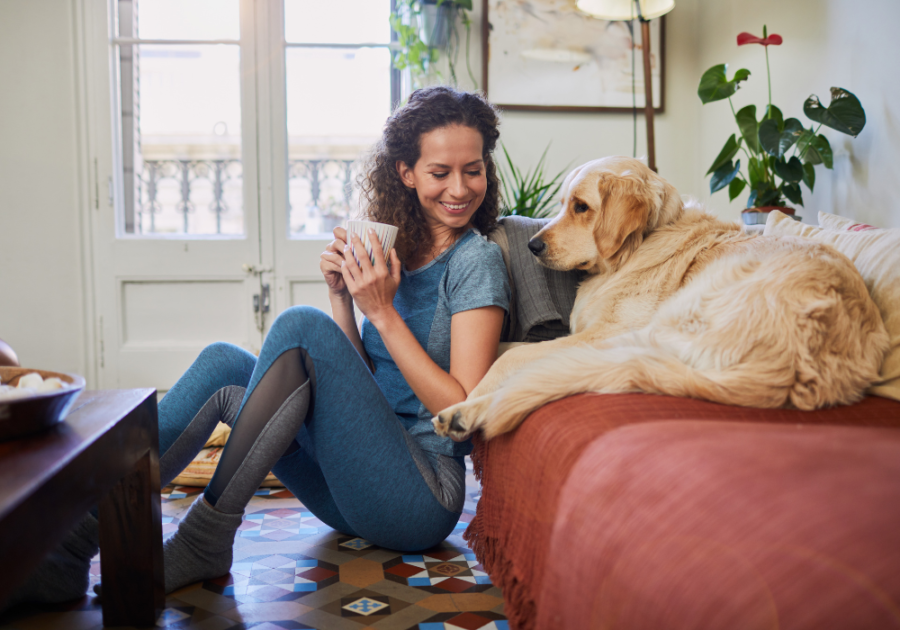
[[292, 571]]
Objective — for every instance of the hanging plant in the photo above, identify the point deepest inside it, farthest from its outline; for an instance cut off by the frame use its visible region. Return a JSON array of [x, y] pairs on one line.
[[426, 29]]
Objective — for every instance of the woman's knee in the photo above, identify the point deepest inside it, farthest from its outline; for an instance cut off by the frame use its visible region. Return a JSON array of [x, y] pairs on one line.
[[300, 322], [302, 317], [227, 358]]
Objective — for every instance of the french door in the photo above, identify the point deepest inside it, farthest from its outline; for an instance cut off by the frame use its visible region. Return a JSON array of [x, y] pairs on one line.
[[222, 143]]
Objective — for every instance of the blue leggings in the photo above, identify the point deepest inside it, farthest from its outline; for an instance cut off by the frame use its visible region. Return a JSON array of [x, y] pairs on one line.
[[355, 468]]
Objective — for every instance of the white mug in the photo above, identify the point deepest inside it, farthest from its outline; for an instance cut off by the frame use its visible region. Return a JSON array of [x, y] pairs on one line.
[[385, 233]]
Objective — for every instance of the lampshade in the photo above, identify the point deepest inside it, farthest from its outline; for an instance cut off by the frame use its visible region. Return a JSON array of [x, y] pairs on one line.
[[618, 10]]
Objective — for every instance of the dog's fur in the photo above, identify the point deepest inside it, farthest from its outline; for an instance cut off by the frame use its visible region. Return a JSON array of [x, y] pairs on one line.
[[680, 303]]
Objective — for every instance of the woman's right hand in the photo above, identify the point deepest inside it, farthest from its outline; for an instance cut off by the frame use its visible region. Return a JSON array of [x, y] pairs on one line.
[[330, 263]]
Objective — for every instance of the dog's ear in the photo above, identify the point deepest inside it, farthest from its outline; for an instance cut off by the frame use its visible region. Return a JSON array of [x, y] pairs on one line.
[[625, 207]]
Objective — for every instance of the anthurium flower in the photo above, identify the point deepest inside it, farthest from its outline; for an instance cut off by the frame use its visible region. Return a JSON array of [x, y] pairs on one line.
[[747, 38]]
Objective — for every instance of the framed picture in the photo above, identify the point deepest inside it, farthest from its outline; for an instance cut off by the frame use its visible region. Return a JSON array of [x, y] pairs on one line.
[[549, 56]]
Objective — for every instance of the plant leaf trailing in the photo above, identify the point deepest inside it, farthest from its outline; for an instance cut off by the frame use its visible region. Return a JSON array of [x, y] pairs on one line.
[[529, 194], [767, 142], [412, 53]]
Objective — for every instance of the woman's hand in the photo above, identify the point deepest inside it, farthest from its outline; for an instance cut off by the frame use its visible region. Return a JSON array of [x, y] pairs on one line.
[[373, 287], [331, 261]]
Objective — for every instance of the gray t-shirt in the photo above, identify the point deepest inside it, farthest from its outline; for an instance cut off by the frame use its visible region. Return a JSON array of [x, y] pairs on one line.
[[469, 275]]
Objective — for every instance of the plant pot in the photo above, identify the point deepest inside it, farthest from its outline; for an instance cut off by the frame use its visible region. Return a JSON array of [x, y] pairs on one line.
[[758, 216], [434, 23]]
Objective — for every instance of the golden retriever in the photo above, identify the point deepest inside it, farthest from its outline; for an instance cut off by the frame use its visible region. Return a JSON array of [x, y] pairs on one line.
[[678, 302]]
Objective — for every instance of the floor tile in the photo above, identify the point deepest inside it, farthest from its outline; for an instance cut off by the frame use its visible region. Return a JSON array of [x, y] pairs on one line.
[[291, 571]]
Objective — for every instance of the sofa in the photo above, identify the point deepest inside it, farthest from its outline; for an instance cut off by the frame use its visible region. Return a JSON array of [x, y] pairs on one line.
[[640, 511]]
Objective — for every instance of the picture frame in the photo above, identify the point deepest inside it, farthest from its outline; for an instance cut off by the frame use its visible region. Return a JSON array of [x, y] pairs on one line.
[[550, 57]]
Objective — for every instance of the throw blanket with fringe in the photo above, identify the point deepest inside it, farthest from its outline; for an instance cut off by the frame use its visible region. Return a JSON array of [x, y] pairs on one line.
[[523, 475]]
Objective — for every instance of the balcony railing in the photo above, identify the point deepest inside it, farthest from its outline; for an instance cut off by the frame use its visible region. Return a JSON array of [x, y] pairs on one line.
[[197, 197]]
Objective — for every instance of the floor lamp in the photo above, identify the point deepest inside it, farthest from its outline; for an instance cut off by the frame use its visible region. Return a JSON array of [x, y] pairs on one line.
[[626, 10]]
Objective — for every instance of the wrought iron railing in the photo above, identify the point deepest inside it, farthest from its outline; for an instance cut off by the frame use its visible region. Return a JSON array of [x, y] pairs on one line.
[[206, 197]]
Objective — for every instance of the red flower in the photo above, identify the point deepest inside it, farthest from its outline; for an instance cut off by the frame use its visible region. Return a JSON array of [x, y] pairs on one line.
[[747, 38]]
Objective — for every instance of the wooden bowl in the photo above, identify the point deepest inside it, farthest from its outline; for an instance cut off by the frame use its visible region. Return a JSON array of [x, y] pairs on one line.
[[21, 416]]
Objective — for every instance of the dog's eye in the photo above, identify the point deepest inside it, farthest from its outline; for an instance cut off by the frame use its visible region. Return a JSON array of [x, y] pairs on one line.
[[580, 207]]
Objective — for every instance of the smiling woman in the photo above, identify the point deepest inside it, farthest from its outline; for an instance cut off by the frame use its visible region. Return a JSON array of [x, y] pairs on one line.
[[441, 150]]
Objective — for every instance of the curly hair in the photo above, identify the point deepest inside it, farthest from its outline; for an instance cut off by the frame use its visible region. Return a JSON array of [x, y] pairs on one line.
[[388, 200]]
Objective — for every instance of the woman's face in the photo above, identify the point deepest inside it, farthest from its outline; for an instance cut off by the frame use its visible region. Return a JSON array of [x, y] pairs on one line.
[[449, 177]]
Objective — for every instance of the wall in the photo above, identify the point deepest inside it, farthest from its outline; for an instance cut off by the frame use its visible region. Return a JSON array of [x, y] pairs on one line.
[[846, 43], [577, 138], [41, 284]]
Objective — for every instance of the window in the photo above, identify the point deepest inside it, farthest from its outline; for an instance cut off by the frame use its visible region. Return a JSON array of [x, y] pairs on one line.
[[339, 88], [180, 107], [181, 123]]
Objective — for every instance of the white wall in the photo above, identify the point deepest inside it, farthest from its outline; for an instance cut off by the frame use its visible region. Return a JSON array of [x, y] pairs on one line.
[[845, 43], [850, 43], [577, 138], [41, 295]]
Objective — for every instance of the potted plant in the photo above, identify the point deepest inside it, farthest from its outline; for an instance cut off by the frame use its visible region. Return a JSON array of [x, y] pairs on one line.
[[529, 194], [780, 153], [425, 29]]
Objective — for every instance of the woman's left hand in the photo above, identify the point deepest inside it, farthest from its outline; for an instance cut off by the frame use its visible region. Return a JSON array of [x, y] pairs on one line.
[[373, 287]]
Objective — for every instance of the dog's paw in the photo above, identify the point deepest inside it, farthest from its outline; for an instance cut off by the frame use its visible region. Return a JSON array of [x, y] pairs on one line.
[[459, 421]]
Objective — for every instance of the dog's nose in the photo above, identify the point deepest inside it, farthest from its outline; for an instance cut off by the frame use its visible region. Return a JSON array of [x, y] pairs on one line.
[[536, 246]]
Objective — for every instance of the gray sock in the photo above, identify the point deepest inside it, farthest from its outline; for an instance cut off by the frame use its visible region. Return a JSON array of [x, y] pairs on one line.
[[201, 549], [64, 574]]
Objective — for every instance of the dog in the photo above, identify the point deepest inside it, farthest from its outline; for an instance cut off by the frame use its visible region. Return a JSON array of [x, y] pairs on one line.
[[678, 302]]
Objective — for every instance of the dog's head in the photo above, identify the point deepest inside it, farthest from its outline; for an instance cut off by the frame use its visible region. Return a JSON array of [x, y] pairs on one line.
[[608, 207]]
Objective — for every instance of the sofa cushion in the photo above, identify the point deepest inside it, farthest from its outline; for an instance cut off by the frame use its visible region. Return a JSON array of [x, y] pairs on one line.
[[709, 525], [835, 222], [524, 472], [876, 254]]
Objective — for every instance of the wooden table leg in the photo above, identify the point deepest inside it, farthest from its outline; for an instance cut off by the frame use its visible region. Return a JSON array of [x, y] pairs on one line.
[[131, 562]]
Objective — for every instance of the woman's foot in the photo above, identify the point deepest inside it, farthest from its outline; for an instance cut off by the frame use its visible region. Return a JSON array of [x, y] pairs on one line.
[[64, 574], [201, 549]]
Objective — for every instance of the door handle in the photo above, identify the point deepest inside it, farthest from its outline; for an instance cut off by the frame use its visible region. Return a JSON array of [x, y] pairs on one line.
[[261, 305]]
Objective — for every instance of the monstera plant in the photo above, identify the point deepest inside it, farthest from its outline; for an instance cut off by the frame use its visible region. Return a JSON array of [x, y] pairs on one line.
[[778, 153]]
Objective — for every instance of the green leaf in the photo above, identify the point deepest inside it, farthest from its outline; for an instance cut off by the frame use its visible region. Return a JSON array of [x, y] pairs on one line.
[[809, 176], [777, 139], [790, 171], [822, 145], [735, 188], [730, 149], [806, 150], [528, 194], [769, 196], [723, 176], [845, 113], [793, 193], [751, 200], [746, 120], [757, 171], [774, 113], [463, 4], [715, 86]]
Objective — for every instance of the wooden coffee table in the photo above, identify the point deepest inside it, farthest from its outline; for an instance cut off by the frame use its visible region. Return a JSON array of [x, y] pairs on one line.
[[104, 452]]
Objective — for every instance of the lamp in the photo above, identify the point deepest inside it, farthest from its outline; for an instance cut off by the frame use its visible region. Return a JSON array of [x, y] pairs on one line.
[[645, 10]]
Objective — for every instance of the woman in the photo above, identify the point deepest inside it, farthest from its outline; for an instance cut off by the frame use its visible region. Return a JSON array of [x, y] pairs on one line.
[[343, 418]]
